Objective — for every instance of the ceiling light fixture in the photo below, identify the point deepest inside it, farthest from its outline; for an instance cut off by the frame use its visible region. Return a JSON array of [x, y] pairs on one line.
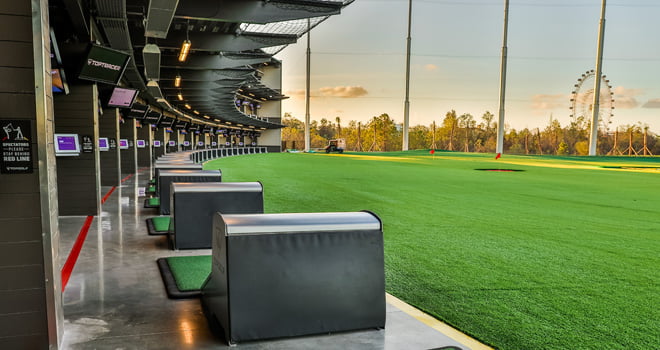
[[185, 49], [179, 96], [177, 81], [196, 112], [187, 106], [185, 46]]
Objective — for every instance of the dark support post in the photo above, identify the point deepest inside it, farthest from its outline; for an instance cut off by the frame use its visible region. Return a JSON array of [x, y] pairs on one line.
[[31, 303], [78, 178], [110, 162]]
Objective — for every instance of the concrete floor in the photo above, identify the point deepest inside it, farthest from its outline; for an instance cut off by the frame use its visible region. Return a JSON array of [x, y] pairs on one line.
[[115, 298]]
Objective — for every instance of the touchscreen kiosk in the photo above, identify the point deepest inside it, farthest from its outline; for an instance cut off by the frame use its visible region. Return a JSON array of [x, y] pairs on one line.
[[67, 145], [103, 144], [123, 143]]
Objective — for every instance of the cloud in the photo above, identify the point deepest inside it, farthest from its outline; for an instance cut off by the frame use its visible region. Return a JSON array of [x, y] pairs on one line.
[[652, 103], [292, 93], [625, 98], [549, 102], [343, 91], [430, 67]]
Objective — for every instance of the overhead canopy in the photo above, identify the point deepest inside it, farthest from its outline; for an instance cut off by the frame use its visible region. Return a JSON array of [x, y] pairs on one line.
[[232, 43]]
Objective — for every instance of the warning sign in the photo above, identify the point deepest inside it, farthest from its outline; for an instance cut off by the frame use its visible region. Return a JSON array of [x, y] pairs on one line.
[[15, 147]]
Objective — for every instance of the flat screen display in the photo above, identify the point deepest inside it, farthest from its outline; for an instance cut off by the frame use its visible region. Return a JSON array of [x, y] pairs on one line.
[[123, 143], [104, 65], [186, 143], [172, 143], [156, 143], [138, 111], [122, 97], [103, 144], [141, 144], [67, 145], [166, 122], [180, 124], [194, 127], [152, 117], [59, 81]]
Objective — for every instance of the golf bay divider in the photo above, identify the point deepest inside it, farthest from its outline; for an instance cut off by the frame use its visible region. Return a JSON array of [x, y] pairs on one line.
[[167, 177], [282, 275], [194, 204]]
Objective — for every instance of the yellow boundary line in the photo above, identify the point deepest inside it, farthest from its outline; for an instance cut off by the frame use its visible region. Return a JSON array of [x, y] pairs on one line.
[[434, 323]]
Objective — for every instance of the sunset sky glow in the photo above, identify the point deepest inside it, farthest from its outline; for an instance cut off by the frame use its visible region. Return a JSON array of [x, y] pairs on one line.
[[358, 60]]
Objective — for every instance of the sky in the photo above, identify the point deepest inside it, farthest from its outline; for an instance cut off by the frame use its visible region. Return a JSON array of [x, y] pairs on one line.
[[358, 60]]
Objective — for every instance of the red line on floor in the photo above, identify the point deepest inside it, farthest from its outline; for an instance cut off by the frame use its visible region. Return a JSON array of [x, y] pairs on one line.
[[75, 252], [105, 198], [126, 178]]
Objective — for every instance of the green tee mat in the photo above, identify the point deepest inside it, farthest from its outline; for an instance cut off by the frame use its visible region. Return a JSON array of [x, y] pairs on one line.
[[184, 276], [153, 202], [159, 225]]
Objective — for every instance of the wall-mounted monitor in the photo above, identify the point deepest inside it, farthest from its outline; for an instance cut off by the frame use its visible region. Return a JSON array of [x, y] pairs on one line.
[[67, 145], [194, 127], [59, 84], [166, 122], [152, 117], [141, 144], [104, 65], [138, 111], [156, 143], [123, 143], [122, 97], [180, 124], [171, 143], [103, 144], [186, 143]]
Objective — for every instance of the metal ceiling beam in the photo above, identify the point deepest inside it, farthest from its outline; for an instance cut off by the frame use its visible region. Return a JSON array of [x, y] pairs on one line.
[[256, 11], [208, 41], [204, 75], [205, 62]]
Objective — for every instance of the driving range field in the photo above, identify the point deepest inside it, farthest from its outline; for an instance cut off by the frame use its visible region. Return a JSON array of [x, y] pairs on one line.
[[563, 253]]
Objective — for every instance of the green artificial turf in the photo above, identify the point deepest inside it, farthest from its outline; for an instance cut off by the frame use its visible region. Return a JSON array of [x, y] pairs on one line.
[[154, 201], [161, 223], [561, 255], [190, 272]]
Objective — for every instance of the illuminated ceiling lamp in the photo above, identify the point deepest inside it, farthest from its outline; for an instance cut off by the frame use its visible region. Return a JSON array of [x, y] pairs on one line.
[[185, 47], [180, 96], [177, 81]]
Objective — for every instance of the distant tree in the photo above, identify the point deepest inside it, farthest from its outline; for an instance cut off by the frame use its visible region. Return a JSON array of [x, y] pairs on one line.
[[449, 128]]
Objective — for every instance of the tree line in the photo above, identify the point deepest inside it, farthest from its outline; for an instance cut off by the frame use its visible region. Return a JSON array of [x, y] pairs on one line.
[[466, 134]]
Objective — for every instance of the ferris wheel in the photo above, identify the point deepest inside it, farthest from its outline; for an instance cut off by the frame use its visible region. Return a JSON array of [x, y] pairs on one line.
[[582, 99]]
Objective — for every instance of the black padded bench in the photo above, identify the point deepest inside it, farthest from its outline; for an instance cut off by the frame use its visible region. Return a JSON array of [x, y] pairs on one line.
[[282, 275], [194, 204], [167, 177]]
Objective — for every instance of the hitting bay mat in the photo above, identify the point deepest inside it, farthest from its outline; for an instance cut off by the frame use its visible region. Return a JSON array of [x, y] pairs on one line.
[[152, 202], [184, 275], [158, 226]]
